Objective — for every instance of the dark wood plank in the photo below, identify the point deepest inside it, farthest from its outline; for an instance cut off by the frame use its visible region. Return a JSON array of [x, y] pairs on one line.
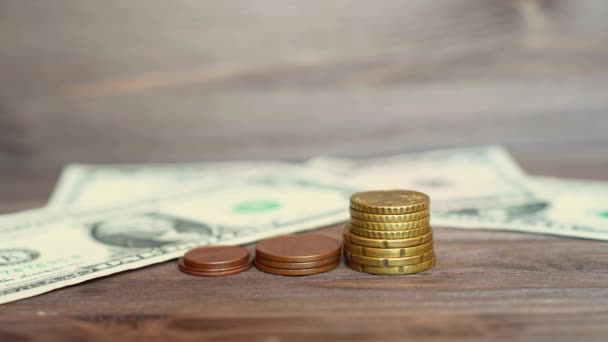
[[487, 284], [216, 80]]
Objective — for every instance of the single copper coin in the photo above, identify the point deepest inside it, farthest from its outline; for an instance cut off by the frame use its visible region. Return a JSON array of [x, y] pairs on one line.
[[302, 272], [297, 265], [214, 272], [298, 248], [214, 257], [217, 273], [232, 270], [182, 265]]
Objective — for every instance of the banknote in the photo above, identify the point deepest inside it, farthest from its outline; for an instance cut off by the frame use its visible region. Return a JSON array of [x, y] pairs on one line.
[[475, 177], [461, 178], [573, 208], [46, 249], [483, 188], [477, 187], [88, 185]]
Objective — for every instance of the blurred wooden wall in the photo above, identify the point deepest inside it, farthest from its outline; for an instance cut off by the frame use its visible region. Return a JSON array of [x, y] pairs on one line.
[[155, 81]]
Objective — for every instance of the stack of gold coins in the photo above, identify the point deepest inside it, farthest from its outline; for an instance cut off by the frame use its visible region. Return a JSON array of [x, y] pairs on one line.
[[389, 233]]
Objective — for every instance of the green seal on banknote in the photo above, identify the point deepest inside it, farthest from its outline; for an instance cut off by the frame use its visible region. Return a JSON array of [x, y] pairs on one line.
[[256, 206]]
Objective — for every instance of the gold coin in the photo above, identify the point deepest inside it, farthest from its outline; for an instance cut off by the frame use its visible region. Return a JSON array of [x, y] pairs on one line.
[[389, 262], [359, 215], [389, 201], [389, 235], [391, 226], [409, 269], [396, 243], [388, 252]]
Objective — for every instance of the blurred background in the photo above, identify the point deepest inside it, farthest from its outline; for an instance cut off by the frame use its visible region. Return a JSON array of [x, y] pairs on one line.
[[174, 81]]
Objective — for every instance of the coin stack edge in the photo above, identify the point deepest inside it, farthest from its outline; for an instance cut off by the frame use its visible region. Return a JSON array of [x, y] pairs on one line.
[[389, 233]]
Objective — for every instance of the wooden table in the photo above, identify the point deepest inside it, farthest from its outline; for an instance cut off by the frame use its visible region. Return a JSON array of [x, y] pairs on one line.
[[155, 81]]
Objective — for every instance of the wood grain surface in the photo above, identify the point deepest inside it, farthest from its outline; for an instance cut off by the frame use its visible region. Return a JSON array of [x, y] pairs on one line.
[[154, 81]]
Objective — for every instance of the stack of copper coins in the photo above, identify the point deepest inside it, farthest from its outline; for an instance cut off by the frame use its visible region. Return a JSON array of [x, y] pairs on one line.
[[297, 255], [389, 233], [215, 261]]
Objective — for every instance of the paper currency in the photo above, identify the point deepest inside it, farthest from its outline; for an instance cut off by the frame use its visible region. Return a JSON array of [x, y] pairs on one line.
[[475, 177], [571, 208], [454, 178], [479, 187], [47, 249], [483, 188], [88, 185]]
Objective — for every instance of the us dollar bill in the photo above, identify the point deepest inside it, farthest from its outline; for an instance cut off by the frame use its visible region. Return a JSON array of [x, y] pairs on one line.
[[484, 188], [478, 187], [573, 208], [43, 250], [476, 177], [89, 185]]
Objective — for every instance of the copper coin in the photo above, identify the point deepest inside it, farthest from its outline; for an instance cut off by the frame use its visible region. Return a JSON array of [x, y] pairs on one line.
[[213, 273], [298, 248], [297, 265], [182, 265], [214, 257], [302, 272], [217, 273]]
